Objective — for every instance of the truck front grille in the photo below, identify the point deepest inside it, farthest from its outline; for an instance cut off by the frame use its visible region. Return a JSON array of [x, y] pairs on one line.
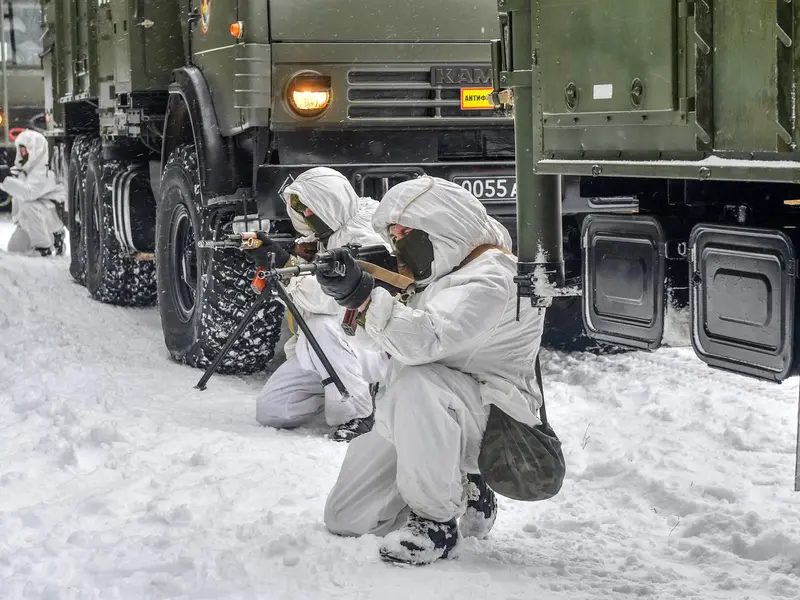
[[407, 93]]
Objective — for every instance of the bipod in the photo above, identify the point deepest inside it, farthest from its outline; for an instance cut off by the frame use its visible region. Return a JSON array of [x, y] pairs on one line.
[[333, 377], [273, 280], [201, 385]]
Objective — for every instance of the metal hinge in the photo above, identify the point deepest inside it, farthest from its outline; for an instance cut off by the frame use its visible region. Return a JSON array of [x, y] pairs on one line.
[[512, 79], [507, 6], [686, 9]]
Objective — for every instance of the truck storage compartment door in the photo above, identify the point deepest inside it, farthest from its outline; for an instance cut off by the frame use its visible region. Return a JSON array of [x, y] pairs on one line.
[[607, 56], [623, 279], [743, 299]]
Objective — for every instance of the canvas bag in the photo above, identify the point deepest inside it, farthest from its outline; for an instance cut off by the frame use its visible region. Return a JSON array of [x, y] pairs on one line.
[[516, 460], [519, 461]]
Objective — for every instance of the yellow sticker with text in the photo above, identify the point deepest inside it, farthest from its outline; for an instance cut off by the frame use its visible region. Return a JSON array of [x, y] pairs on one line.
[[476, 99]]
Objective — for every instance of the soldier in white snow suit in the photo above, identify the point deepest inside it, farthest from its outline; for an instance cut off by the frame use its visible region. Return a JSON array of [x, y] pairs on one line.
[[455, 348], [34, 194], [324, 208]]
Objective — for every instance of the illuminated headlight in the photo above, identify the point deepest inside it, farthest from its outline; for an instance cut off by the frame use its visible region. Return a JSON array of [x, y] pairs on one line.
[[309, 94]]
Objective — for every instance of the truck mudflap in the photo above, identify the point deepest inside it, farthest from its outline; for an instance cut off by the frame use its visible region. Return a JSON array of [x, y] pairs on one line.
[[742, 300], [623, 279]]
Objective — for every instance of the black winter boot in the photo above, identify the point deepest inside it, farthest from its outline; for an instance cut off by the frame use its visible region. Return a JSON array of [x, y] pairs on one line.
[[58, 242], [349, 431], [420, 541], [481, 512]]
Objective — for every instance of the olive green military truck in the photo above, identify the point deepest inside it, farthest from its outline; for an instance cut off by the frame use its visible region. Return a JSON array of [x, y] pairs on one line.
[[690, 110], [173, 121]]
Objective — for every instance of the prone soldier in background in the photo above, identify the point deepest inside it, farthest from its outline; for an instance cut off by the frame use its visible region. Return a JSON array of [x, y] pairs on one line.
[[36, 197]]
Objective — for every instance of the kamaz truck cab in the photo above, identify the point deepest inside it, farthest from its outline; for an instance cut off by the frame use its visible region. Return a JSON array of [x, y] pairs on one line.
[[174, 121]]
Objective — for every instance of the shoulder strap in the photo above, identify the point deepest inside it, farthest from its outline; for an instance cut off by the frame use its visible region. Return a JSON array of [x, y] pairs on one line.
[[542, 410], [480, 250], [397, 280]]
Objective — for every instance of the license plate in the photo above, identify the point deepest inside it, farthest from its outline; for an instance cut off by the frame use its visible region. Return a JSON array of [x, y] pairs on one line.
[[501, 188]]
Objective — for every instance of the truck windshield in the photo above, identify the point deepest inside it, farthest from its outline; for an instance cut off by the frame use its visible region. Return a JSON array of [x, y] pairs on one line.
[[22, 21]]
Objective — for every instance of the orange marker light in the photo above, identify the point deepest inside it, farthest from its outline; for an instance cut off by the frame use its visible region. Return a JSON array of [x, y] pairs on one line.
[[237, 29]]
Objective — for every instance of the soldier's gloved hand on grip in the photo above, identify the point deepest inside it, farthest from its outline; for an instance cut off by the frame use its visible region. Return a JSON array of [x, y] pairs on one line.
[[260, 256], [350, 290]]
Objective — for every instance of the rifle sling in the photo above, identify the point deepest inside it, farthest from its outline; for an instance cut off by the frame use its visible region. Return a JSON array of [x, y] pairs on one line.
[[395, 279]]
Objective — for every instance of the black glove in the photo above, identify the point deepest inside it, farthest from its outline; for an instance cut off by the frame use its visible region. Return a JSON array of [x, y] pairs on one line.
[[260, 256], [5, 171], [352, 288]]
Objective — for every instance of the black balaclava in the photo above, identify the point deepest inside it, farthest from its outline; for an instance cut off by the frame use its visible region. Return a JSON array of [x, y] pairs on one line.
[[316, 224], [415, 250]]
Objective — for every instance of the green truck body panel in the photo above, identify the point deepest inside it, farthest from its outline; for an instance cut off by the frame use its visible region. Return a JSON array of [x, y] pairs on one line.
[[630, 81], [635, 42], [385, 22]]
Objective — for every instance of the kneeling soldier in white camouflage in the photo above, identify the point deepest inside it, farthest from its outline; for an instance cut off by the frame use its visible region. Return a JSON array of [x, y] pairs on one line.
[[455, 348], [322, 201], [36, 197]]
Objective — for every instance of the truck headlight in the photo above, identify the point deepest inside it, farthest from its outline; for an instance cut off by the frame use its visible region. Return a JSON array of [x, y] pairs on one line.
[[309, 94]]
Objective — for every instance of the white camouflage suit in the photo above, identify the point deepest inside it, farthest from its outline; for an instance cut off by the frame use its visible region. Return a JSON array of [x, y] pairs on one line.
[[456, 348], [294, 392], [33, 190]]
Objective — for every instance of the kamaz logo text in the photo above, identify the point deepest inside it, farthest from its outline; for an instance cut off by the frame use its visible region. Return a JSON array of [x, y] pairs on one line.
[[461, 76]]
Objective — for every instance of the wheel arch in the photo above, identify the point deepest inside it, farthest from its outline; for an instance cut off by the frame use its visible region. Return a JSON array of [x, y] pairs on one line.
[[191, 119]]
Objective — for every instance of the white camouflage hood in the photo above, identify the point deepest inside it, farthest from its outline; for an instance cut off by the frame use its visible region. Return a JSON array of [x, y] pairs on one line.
[[329, 195], [36, 144], [456, 222]]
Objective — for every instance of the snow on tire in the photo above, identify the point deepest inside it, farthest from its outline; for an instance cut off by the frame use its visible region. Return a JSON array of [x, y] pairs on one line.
[[203, 294], [76, 182], [113, 274]]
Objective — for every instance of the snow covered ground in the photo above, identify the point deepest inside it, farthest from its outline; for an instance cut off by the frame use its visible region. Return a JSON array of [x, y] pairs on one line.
[[119, 480]]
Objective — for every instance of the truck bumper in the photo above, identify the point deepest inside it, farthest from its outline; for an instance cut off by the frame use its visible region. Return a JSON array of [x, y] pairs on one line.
[[374, 179]]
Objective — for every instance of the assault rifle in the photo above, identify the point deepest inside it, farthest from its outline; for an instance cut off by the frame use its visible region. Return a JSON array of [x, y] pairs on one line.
[[375, 259]]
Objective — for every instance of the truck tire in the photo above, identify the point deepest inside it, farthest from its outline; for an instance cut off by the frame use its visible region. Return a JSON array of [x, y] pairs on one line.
[[113, 274], [76, 180], [203, 295]]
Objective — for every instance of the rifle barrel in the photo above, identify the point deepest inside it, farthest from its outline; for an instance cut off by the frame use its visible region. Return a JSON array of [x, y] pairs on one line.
[[298, 270]]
